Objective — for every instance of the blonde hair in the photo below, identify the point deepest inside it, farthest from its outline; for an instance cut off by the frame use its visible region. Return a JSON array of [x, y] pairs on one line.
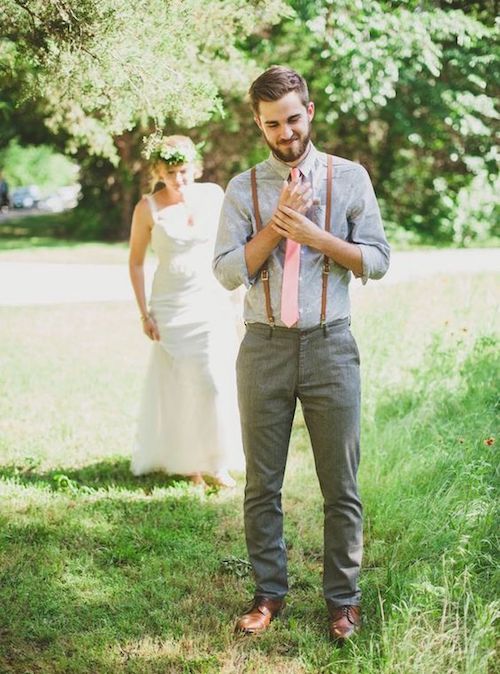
[[176, 142]]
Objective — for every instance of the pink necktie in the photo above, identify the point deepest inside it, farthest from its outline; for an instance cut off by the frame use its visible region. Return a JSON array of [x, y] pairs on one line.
[[290, 286]]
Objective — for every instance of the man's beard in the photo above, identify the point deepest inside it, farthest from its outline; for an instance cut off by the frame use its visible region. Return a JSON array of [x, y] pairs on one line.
[[293, 152]]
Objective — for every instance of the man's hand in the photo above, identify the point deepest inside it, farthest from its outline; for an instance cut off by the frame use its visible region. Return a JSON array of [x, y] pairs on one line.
[[297, 195], [293, 225]]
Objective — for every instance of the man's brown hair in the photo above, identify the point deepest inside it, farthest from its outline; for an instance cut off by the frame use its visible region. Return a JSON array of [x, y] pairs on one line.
[[276, 82]]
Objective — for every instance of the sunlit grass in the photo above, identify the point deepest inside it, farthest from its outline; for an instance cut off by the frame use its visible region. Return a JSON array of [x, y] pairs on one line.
[[42, 249], [46, 237], [104, 572]]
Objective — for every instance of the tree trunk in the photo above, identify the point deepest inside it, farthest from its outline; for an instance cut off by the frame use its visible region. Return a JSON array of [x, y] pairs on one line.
[[110, 192]]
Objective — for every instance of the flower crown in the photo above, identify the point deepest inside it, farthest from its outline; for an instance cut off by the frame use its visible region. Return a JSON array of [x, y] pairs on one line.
[[158, 148]]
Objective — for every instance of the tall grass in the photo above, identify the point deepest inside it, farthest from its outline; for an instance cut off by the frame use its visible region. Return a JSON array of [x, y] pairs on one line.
[[102, 572], [431, 513]]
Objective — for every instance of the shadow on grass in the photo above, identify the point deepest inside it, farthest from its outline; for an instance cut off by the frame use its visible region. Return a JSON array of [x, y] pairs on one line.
[[48, 230], [123, 583], [37, 229], [101, 585], [29, 242], [110, 474]]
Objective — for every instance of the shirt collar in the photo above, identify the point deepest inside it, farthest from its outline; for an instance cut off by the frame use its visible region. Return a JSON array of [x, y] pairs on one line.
[[305, 166]]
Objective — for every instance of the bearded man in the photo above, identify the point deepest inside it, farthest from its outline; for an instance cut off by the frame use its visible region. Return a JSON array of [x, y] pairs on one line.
[[293, 230]]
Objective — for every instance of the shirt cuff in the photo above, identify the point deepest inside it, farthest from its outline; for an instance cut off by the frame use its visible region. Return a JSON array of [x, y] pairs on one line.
[[375, 262], [236, 263], [365, 263]]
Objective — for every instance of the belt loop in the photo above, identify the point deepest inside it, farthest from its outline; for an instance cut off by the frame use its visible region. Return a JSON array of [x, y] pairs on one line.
[[271, 330], [349, 320], [325, 330]]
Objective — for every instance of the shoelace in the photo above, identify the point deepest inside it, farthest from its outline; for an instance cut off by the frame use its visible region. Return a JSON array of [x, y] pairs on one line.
[[346, 612]]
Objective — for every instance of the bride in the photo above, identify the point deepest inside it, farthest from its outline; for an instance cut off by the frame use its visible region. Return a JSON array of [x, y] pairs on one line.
[[188, 421]]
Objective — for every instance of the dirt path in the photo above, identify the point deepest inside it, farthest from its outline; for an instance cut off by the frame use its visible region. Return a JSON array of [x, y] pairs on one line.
[[27, 283]]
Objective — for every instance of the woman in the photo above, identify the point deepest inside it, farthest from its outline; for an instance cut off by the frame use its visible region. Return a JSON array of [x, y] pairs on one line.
[[188, 422]]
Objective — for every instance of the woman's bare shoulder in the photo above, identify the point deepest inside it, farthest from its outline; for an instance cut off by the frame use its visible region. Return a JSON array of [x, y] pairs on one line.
[[144, 203], [142, 210]]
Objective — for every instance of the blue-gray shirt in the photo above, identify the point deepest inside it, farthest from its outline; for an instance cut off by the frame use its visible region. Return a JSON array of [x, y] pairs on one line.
[[355, 218]]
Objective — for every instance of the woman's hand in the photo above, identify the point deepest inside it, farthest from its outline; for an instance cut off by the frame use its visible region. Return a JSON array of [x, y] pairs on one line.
[[150, 328]]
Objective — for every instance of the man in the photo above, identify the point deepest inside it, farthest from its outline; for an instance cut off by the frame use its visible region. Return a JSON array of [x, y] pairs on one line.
[[273, 237], [4, 193]]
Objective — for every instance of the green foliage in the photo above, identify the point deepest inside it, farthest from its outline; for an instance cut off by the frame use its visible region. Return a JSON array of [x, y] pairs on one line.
[[475, 213], [408, 89], [101, 74], [422, 81], [38, 165], [104, 66]]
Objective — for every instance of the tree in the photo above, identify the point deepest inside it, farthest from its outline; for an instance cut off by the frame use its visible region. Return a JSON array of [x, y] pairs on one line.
[[37, 164], [105, 71], [408, 89]]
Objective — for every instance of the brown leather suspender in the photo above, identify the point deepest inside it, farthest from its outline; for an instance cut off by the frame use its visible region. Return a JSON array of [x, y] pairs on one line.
[[326, 261], [264, 272]]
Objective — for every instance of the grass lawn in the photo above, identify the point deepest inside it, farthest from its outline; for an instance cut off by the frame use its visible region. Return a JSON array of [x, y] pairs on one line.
[[66, 252], [103, 572], [40, 238]]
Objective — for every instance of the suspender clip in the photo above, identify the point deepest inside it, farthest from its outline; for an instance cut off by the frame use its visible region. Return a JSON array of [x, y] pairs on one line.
[[264, 275]]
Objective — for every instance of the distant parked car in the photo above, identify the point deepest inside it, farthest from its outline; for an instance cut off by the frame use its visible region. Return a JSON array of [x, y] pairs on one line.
[[53, 204], [60, 200], [69, 195], [25, 197]]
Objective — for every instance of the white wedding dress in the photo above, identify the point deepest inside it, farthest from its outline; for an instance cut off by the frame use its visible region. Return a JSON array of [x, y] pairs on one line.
[[188, 419]]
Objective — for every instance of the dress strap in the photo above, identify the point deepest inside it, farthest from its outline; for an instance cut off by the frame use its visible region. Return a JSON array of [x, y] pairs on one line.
[[152, 206]]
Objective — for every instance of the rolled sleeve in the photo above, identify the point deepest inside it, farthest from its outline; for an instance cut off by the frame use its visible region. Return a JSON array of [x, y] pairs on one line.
[[230, 269], [235, 229], [366, 229]]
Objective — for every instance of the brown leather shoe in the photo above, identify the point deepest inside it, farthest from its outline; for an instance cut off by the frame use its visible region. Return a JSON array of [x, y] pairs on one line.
[[258, 618], [345, 621]]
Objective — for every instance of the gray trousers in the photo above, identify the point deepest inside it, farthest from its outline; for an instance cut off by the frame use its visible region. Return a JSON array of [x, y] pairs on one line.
[[320, 367]]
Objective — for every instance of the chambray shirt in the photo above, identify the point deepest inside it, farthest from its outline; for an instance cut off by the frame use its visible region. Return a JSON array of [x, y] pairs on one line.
[[355, 217]]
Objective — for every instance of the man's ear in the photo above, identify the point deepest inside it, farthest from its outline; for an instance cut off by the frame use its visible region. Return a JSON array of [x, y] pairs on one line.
[[310, 110], [256, 119]]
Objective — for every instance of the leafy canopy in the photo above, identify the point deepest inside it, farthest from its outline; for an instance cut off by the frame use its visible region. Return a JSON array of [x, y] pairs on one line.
[[103, 66]]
